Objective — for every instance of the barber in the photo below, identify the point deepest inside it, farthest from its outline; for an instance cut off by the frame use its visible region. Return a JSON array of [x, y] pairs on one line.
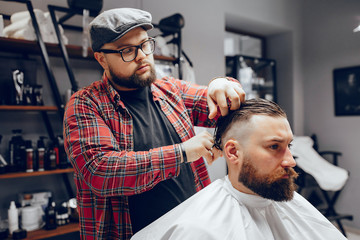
[[130, 137]]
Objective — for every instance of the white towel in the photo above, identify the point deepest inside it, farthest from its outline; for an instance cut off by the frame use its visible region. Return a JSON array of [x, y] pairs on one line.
[[21, 27], [16, 26], [24, 33], [328, 176], [21, 21], [19, 16]]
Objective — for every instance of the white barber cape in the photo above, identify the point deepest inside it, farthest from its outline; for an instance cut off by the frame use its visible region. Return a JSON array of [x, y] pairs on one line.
[[220, 212]]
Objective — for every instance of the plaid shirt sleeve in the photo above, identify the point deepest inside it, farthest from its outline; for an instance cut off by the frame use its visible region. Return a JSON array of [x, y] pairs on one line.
[[101, 161]]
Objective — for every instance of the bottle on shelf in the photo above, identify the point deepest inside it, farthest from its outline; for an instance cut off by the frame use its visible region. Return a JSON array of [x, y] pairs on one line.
[[29, 156], [40, 154], [50, 215], [13, 217], [50, 158], [62, 161], [62, 215], [55, 146], [17, 152]]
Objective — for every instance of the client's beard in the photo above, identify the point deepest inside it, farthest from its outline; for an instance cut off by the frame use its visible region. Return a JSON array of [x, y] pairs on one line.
[[271, 186], [134, 81]]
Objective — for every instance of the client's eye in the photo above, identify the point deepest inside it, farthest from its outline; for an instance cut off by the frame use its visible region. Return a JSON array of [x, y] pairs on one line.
[[274, 147]]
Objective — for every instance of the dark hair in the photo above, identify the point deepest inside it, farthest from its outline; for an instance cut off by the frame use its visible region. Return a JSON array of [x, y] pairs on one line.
[[247, 109]]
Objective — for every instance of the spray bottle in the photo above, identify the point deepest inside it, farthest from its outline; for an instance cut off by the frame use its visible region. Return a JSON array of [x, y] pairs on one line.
[[13, 217]]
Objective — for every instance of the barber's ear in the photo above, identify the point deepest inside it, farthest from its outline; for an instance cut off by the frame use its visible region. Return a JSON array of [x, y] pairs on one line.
[[232, 151], [101, 59]]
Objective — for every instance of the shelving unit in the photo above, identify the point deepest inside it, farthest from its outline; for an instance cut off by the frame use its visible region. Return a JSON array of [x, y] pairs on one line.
[[43, 50]]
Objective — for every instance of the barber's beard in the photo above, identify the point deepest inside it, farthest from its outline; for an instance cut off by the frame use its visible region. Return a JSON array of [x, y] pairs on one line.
[[134, 81], [270, 186]]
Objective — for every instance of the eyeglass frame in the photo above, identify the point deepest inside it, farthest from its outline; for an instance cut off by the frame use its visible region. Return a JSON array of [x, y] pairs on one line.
[[136, 51]]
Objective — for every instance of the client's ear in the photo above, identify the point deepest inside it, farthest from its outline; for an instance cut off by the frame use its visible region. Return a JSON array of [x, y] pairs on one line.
[[232, 151]]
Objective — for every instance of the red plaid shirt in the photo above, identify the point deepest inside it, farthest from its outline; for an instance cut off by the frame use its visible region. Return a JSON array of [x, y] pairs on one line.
[[99, 141]]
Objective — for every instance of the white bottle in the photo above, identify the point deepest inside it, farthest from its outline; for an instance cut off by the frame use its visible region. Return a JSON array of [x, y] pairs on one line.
[[13, 217]]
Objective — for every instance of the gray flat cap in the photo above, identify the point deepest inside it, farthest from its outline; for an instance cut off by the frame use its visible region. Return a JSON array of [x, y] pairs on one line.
[[112, 24]]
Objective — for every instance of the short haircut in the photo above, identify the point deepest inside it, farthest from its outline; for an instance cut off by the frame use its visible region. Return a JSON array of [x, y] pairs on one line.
[[247, 109]]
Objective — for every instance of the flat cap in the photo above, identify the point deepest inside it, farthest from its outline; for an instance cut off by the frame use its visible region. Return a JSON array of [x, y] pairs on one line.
[[112, 24]]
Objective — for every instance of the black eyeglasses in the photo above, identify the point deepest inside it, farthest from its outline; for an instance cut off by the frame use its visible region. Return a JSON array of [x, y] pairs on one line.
[[130, 53]]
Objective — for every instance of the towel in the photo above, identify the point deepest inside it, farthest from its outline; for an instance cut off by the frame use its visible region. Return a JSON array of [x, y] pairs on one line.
[[24, 33], [21, 21], [18, 16], [328, 176], [21, 27], [23, 24]]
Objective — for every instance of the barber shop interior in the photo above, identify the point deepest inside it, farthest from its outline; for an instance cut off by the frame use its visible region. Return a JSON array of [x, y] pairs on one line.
[[164, 119]]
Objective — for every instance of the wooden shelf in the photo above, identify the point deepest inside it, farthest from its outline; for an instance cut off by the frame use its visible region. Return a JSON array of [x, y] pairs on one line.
[[14, 45], [27, 108], [60, 230], [36, 173], [164, 58]]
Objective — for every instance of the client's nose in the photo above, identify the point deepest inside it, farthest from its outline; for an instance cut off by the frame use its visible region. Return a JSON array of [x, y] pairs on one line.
[[288, 160]]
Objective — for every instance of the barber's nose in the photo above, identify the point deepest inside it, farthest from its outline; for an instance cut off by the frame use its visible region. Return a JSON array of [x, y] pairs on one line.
[[288, 160]]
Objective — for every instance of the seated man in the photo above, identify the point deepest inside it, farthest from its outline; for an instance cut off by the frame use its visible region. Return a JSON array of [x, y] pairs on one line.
[[257, 200]]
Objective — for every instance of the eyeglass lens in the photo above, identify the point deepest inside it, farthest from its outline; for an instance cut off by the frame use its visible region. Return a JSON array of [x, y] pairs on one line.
[[130, 53]]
